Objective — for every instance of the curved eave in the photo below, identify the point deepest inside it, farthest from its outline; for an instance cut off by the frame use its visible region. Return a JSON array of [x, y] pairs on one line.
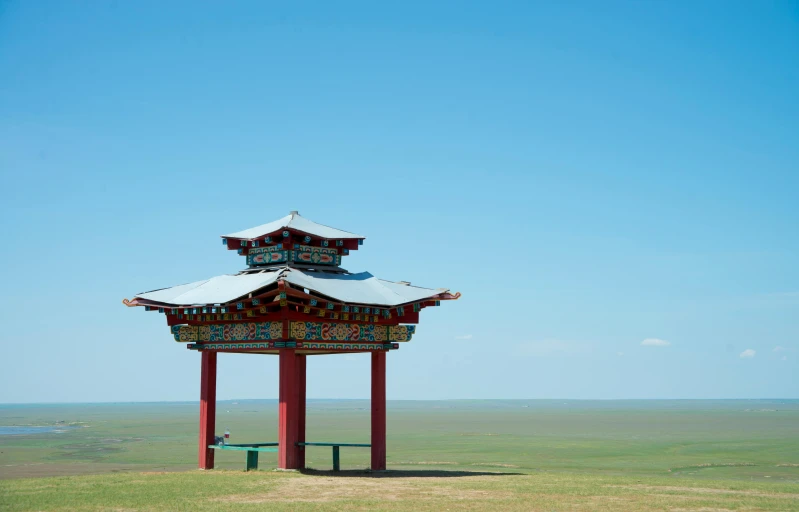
[[293, 231], [348, 289], [136, 301], [316, 295]]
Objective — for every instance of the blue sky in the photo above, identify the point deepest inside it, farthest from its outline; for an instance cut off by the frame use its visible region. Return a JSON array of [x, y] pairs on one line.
[[589, 175]]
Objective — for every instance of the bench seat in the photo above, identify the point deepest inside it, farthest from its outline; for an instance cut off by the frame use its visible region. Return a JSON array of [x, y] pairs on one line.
[[253, 449]]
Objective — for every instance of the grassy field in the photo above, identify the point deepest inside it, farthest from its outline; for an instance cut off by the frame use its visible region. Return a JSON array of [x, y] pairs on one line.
[[478, 455]]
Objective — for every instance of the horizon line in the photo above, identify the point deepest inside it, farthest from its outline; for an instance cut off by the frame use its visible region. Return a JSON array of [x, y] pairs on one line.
[[2, 404]]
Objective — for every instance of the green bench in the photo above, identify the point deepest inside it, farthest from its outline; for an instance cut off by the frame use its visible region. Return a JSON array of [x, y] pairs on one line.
[[251, 449], [336, 458]]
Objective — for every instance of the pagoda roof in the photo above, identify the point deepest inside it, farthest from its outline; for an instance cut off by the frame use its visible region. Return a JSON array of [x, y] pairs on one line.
[[362, 288], [216, 290], [296, 222]]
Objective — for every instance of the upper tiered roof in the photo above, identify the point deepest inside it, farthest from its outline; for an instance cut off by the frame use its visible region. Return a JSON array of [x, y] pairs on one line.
[[295, 223], [293, 240]]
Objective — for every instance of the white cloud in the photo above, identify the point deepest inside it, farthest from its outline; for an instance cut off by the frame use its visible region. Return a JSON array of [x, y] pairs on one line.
[[655, 342], [747, 354], [784, 358], [464, 337], [779, 348], [619, 354]]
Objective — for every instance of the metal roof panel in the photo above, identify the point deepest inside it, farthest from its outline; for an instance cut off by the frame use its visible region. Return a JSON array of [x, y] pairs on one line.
[[217, 290], [362, 288], [293, 221]]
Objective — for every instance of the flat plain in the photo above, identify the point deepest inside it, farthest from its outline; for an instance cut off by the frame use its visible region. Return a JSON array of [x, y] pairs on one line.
[[472, 455]]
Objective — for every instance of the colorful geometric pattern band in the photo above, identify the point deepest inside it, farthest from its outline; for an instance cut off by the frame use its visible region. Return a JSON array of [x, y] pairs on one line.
[[272, 345], [231, 346], [316, 255], [349, 346], [401, 332], [267, 255], [254, 331], [331, 331], [300, 254]]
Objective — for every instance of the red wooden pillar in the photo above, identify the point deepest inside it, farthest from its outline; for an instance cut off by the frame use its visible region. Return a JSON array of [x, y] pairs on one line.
[[378, 411], [288, 412], [301, 360], [207, 408]]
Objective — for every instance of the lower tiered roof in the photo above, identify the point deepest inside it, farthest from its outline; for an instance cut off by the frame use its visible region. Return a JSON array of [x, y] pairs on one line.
[[362, 288]]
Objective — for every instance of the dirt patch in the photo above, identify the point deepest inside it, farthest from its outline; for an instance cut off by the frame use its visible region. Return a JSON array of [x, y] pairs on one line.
[[322, 490], [701, 509], [464, 494], [707, 490], [328, 489]]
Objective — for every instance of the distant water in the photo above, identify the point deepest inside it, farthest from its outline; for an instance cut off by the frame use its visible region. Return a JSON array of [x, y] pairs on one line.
[[26, 431]]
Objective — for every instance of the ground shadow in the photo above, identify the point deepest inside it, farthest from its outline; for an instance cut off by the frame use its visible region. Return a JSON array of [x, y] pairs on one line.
[[403, 473]]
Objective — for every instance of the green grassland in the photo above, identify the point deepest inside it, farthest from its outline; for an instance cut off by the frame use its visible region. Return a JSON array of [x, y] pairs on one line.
[[478, 455]]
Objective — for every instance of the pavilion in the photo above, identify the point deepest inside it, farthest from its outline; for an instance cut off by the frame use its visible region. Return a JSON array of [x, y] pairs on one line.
[[293, 300]]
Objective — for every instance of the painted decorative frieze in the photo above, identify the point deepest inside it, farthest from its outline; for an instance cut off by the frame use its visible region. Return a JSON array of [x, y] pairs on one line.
[[331, 331], [317, 331], [401, 332], [350, 346], [267, 255], [315, 255], [232, 346], [254, 331], [298, 254], [272, 345]]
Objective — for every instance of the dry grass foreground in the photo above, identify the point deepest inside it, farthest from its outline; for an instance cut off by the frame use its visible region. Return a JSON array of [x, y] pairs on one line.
[[406, 490]]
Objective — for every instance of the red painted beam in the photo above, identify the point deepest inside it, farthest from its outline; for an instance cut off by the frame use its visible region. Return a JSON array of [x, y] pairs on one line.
[[378, 411], [207, 408], [288, 412], [276, 352]]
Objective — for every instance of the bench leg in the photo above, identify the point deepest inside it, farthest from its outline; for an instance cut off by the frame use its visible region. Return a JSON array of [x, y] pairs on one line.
[[336, 459], [252, 461]]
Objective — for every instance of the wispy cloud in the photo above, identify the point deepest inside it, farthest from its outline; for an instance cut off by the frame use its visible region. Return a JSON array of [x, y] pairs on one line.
[[553, 347], [464, 337], [747, 354], [784, 358], [779, 348], [655, 342], [620, 354]]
